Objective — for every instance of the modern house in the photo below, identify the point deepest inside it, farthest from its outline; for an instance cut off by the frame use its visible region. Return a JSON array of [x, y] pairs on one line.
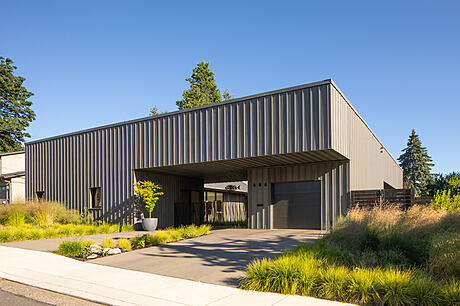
[[302, 150], [12, 177]]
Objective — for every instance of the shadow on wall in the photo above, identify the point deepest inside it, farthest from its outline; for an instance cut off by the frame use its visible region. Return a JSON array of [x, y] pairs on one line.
[[233, 254], [122, 213]]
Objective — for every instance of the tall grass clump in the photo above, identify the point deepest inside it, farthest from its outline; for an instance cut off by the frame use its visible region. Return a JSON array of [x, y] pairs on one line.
[[73, 247], [124, 244], [380, 256], [108, 243]]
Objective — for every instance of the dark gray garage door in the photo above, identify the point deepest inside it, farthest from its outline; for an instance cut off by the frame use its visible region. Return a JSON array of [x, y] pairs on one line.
[[297, 205]]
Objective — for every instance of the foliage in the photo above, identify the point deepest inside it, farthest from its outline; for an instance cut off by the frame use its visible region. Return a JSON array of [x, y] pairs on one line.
[[155, 112], [445, 200], [15, 114], [203, 89], [138, 242], [41, 213], [379, 256], [227, 95], [416, 163], [124, 244], [150, 193], [73, 247], [108, 243], [16, 216], [170, 235], [440, 182], [31, 231]]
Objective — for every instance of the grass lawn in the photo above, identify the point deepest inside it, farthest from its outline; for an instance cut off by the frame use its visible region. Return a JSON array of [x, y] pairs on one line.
[[40, 220], [380, 257]]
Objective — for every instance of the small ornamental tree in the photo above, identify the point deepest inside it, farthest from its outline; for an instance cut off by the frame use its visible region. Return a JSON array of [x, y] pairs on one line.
[[150, 193]]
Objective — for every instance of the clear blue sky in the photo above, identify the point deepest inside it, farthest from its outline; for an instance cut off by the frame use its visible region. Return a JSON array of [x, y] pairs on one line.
[[91, 63]]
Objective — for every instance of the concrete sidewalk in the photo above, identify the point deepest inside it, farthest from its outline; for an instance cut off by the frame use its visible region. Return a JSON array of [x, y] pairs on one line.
[[125, 287]]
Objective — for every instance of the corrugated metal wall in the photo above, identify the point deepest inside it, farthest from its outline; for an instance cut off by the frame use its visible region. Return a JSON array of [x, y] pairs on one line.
[[370, 162], [285, 121], [334, 178]]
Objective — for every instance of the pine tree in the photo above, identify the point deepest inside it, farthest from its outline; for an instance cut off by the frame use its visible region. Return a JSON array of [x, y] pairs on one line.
[[416, 163], [203, 89]]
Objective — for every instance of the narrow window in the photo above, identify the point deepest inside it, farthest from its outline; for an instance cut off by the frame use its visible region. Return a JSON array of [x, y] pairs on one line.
[[40, 195], [96, 199]]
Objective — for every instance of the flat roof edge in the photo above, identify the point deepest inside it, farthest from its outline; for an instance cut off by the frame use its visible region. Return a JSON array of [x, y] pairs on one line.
[[236, 100]]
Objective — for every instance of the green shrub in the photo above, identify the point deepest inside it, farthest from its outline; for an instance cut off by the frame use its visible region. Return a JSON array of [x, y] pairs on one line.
[[446, 200], [73, 247], [138, 242], [124, 244], [108, 243]]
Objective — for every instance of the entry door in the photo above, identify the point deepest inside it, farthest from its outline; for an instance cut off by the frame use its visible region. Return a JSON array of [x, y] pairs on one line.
[[297, 205]]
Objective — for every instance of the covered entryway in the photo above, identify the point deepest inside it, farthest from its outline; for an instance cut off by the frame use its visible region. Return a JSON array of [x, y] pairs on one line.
[[297, 205]]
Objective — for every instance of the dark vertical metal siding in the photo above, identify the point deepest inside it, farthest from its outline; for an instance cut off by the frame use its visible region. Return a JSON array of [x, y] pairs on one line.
[[334, 177], [65, 167]]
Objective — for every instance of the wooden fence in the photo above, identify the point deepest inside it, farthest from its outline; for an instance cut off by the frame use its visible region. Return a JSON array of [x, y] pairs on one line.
[[379, 197]]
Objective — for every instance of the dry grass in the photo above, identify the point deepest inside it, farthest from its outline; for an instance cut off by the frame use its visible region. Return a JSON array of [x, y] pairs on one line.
[[384, 256]]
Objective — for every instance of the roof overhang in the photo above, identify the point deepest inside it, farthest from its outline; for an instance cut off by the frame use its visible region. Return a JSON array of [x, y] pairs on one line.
[[236, 169]]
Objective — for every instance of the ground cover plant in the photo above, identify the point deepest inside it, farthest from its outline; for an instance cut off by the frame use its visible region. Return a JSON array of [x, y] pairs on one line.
[[383, 256], [89, 250], [40, 220]]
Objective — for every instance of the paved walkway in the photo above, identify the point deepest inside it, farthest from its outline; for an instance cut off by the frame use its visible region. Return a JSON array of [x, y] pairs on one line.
[[51, 245], [125, 287], [218, 258]]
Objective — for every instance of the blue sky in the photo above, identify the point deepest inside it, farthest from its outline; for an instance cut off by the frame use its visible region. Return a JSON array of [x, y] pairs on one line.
[[91, 63]]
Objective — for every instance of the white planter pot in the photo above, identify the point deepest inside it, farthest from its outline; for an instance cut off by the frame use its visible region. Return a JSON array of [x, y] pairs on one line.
[[149, 224]]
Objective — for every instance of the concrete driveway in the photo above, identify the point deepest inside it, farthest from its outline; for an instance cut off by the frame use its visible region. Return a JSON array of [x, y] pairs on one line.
[[218, 258]]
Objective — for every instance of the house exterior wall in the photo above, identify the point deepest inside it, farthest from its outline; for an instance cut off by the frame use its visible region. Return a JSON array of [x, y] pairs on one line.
[[279, 122], [334, 177], [12, 163], [313, 118], [17, 188], [370, 163]]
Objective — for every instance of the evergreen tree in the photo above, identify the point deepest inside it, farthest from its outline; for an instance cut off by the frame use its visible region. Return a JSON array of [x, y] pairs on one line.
[[416, 163], [15, 111], [203, 89]]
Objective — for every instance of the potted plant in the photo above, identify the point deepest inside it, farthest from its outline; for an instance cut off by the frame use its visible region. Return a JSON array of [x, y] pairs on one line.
[[149, 192]]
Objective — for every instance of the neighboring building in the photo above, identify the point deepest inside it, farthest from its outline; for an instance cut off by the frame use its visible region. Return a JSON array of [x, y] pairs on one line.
[[301, 149], [226, 202], [12, 177]]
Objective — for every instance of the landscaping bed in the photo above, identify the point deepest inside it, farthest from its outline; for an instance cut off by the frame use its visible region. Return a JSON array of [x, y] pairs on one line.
[[42, 220], [87, 249], [381, 257]]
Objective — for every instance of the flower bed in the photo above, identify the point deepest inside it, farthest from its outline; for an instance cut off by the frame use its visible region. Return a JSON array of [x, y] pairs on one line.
[[87, 249]]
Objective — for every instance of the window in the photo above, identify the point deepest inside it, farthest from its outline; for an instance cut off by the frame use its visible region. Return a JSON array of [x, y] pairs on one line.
[[213, 206], [40, 195], [96, 198], [4, 190]]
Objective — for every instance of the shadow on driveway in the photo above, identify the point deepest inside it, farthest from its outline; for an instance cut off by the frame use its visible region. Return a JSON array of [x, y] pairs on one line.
[[218, 258]]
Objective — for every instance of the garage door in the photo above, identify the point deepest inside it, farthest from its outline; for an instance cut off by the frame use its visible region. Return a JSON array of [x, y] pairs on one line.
[[297, 205]]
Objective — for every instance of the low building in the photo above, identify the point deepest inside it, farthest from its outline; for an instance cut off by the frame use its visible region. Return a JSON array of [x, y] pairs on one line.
[[302, 150], [12, 177]]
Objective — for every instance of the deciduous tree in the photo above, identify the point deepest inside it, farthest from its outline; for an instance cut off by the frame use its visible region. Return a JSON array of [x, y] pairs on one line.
[[15, 113]]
